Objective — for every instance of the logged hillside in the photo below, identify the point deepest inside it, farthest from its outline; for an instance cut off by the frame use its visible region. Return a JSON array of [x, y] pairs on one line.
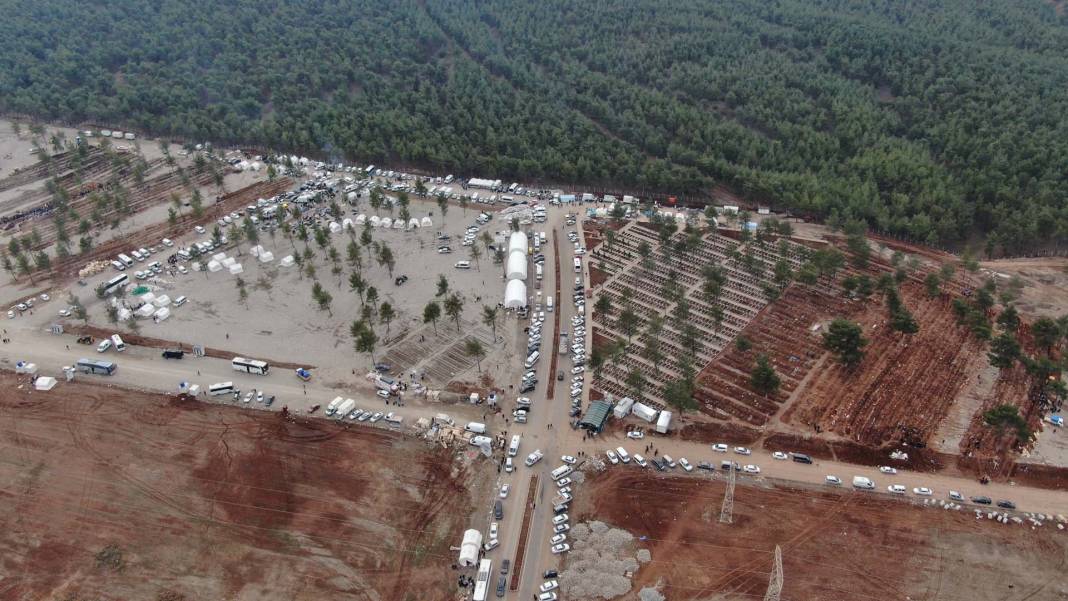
[[927, 119]]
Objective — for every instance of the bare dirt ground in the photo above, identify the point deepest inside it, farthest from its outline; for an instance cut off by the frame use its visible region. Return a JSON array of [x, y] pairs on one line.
[[835, 544], [1044, 279], [123, 495]]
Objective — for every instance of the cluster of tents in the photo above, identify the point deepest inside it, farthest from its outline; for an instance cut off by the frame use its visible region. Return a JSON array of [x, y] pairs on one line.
[[380, 222]]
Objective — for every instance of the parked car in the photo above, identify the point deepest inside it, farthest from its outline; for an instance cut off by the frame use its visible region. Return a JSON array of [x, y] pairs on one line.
[[1004, 504], [833, 480], [886, 469], [636, 434], [568, 459], [742, 451], [779, 455], [561, 548], [897, 489], [751, 469], [982, 500], [922, 491], [719, 448], [612, 457]]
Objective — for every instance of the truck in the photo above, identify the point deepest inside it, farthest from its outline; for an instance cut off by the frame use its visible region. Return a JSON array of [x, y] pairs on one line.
[[345, 408], [334, 404], [863, 483], [563, 344], [663, 423]]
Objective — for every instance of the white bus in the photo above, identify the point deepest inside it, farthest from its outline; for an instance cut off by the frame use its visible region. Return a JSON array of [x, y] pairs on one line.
[[221, 388], [513, 448], [250, 366], [115, 283]]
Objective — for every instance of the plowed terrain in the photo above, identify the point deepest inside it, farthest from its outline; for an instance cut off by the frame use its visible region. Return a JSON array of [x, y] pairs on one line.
[[116, 495], [835, 544]]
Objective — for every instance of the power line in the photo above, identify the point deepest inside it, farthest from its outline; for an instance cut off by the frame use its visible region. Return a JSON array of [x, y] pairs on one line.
[[775, 582]]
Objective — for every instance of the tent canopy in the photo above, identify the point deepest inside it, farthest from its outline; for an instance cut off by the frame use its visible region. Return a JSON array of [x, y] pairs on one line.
[[515, 294]]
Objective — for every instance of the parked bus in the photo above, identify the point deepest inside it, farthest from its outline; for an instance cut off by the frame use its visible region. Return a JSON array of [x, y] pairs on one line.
[[115, 283], [250, 366], [89, 366], [221, 388]]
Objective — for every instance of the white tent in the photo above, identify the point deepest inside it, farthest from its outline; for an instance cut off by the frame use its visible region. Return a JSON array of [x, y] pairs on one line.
[[124, 314], [517, 242], [44, 383], [229, 262], [255, 165], [266, 256], [346, 224], [517, 266], [375, 221], [287, 261], [426, 222], [146, 310], [413, 223], [469, 549], [398, 224], [219, 256], [162, 314], [162, 301], [361, 219], [236, 268], [23, 367], [148, 297], [352, 196], [335, 227], [600, 212], [214, 266], [386, 222], [515, 294], [256, 250]]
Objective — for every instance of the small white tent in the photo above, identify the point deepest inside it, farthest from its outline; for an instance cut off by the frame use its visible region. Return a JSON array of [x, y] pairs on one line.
[[335, 227], [219, 257], [162, 301], [517, 242], [256, 250], [398, 224], [148, 297], [469, 549], [426, 222], [236, 269], [44, 383], [162, 314], [413, 223], [287, 261], [361, 219], [375, 221], [515, 294], [214, 266], [146, 310], [229, 262], [266, 256], [346, 224], [386, 222]]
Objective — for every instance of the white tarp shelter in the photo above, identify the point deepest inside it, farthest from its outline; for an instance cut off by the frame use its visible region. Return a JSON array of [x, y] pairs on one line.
[[413, 223], [161, 315], [214, 266], [229, 262], [426, 222], [256, 250], [517, 242], [346, 223], [469, 549], [335, 227], [375, 221], [146, 310], [219, 256], [517, 266], [515, 294], [398, 224], [287, 261], [266, 256], [386, 222], [236, 268], [148, 297], [44, 383], [361, 219], [124, 314], [162, 300]]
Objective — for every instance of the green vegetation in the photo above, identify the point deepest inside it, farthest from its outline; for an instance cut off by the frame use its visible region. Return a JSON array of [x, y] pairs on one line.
[[1004, 417], [763, 377], [929, 120], [845, 339]]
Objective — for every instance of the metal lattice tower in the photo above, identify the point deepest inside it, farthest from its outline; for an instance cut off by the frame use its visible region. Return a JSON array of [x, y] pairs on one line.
[[726, 513], [775, 583]]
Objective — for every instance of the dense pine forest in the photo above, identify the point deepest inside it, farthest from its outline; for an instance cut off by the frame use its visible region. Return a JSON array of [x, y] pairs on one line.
[[930, 119]]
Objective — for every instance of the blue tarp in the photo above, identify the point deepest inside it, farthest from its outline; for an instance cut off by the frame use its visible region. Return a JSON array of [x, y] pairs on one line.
[[567, 198]]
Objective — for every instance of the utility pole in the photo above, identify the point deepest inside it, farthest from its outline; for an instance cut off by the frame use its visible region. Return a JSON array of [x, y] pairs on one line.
[[726, 513], [775, 582]]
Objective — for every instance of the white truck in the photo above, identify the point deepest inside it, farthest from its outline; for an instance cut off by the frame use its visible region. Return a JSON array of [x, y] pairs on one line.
[[345, 408], [663, 423], [334, 404]]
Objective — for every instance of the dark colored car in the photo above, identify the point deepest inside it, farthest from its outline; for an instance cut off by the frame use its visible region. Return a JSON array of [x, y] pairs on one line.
[[981, 500], [801, 458], [173, 353], [1004, 504], [498, 510], [549, 574], [504, 567]]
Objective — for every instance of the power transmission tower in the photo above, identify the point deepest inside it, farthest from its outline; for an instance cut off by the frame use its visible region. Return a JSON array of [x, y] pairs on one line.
[[775, 583], [726, 513]]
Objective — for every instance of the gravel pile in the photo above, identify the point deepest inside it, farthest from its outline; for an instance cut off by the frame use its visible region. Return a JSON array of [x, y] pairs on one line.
[[600, 560]]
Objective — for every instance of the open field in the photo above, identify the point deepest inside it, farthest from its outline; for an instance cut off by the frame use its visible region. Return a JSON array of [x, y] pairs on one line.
[[835, 544], [121, 495]]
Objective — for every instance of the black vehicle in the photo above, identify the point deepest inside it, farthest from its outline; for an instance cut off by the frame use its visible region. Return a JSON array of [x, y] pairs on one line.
[[269, 401], [801, 458], [575, 412], [498, 510], [1006, 504], [504, 567], [383, 367], [981, 500], [704, 465], [173, 353], [501, 582], [400, 280], [550, 574]]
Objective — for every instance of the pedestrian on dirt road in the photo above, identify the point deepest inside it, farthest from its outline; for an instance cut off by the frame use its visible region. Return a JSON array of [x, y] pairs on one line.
[[228, 335]]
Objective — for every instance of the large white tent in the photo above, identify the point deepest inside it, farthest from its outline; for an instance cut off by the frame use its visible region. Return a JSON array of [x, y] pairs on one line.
[[517, 242], [361, 219], [413, 223], [515, 294], [469, 549], [517, 266], [386, 222]]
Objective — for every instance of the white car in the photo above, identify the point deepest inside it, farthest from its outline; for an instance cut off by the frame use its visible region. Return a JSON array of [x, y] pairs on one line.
[[561, 548], [833, 480], [182, 270], [562, 482], [11, 315], [685, 464], [565, 490], [886, 469], [561, 528], [742, 451], [504, 491], [922, 491], [751, 469], [548, 586], [558, 538], [612, 457], [897, 489], [779, 455], [64, 312], [551, 595], [493, 529], [636, 435], [956, 496], [578, 370], [199, 229], [719, 448], [560, 519], [568, 459], [509, 466], [45, 297]]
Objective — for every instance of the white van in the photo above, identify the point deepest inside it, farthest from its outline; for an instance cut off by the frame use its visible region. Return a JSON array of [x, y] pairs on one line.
[[463, 265], [137, 255], [178, 302], [538, 271], [578, 265], [127, 261], [118, 343], [476, 427], [513, 447], [549, 304], [623, 456], [532, 359], [863, 483], [118, 266], [560, 472]]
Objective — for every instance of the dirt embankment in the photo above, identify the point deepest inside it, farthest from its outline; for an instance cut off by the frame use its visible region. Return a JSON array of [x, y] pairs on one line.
[[128, 495]]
